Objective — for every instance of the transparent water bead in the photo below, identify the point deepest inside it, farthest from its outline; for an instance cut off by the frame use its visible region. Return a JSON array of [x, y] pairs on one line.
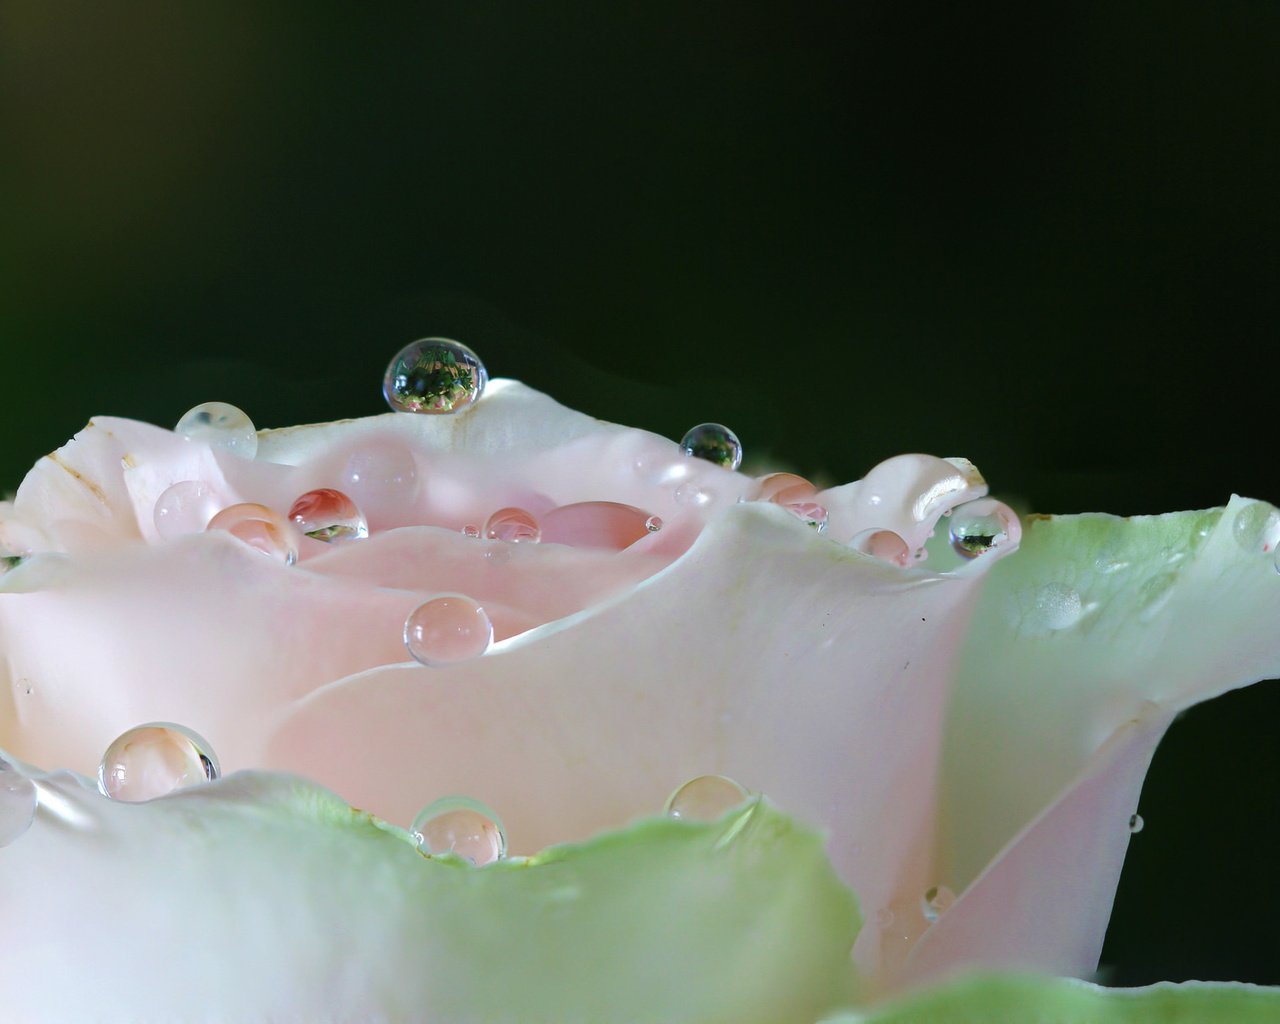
[[936, 901], [263, 529], [328, 515], [784, 489], [705, 798], [471, 530], [979, 526], [604, 525], [186, 507], [1057, 606], [462, 826], [809, 512], [715, 443], [885, 545], [220, 425], [1257, 527], [434, 375], [1136, 823], [154, 759], [514, 525], [18, 799], [447, 630]]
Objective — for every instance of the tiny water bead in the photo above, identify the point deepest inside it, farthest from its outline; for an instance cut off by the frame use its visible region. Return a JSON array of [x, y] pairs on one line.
[[186, 507], [261, 528], [715, 443], [471, 530], [1257, 527], [154, 759], [979, 526], [434, 375], [1136, 823], [809, 512], [18, 799], [220, 425], [328, 515], [693, 494], [705, 798], [462, 826], [514, 525], [653, 524], [447, 630], [936, 901]]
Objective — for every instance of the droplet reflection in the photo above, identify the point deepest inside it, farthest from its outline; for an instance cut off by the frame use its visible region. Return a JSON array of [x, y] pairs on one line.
[[154, 759], [462, 826]]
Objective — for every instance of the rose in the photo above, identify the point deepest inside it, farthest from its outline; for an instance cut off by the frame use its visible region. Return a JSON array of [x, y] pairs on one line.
[[735, 639]]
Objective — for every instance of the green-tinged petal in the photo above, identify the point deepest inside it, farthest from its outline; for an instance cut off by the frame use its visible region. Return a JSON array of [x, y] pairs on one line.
[[1082, 648], [1035, 1000], [264, 897]]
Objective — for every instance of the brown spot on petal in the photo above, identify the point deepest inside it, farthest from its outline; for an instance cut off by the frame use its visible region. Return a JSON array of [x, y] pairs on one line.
[[92, 487]]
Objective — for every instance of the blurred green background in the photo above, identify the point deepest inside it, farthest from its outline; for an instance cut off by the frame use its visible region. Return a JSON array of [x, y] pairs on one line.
[[1045, 239]]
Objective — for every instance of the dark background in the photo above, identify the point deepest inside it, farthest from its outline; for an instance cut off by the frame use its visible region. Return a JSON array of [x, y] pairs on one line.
[[1043, 239]]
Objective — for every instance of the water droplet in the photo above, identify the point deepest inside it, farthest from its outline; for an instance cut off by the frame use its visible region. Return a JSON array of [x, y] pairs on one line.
[[784, 489], [810, 513], [705, 798], [471, 530], [260, 527], [447, 630], [882, 544], [1257, 527], [382, 479], [1057, 606], [514, 525], [1155, 594], [692, 493], [460, 825], [220, 425], [653, 524], [186, 507], [328, 515], [715, 443], [434, 375], [604, 525], [1136, 823], [1204, 526], [154, 759], [978, 527], [936, 901], [18, 799]]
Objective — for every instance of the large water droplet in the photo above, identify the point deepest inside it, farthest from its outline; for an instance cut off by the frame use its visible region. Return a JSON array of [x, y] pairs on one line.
[[186, 507], [460, 825], [447, 630], [884, 545], [220, 425], [784, 489], [1136, 824], [434, 375], [605, 525], [328, 515], [705, 798], [1057, 606], [979, 526], [715, 443], [18, 799], [936, 901], [154, 759], [1257, 527], [514, 525], [261, 528]]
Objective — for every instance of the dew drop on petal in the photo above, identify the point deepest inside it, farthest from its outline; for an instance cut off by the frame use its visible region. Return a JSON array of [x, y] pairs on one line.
[[979, 526], [1257, 527], [186, 507], [603, 525], [705, 798], [936, 901], [263, 529], [693, 494], [810, 513], [882, 544], [1057, 606], [715, 443], [18, 799], [514, 525], [784, 489], [460, 825], [220, 425], [434, 375], [328, 515], [653, 524], [154, 759], [447, 630], [1136, 823], [471, 530]]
